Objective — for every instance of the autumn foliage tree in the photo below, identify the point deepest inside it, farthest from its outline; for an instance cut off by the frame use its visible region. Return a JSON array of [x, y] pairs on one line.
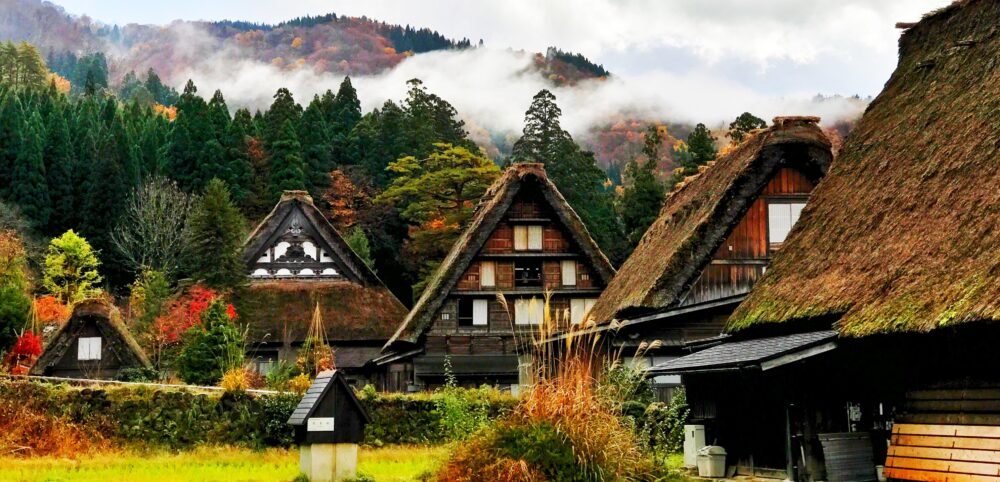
[[71, 268], [15, 305], [437, 195]]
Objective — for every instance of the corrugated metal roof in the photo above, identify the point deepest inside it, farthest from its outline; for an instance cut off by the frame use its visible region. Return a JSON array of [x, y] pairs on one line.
[[743, 353]]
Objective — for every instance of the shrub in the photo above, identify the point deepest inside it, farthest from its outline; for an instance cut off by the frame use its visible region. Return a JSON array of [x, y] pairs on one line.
[[235, 380], [299, 384], [212, 348], [140, 374], [663, 424]]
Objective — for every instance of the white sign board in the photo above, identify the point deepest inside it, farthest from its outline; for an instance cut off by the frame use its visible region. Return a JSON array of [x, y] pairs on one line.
[[320, 424]]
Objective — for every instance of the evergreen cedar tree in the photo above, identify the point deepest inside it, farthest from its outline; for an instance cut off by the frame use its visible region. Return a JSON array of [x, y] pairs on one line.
[[574, 171], [210, 348], [70, 271], [643, 194], [216, 230], [97, 149]]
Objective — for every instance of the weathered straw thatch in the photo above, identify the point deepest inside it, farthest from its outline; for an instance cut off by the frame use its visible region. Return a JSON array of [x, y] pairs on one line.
[[355, 308], [282, 309], [115, 334], [491, 209], [697, 217], [902, 235]]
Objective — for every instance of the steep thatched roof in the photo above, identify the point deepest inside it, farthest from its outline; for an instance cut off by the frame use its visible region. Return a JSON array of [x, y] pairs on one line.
[[489, 212], [357, 307], [902, 234], [282, 309], [118, 338], [697, 217]]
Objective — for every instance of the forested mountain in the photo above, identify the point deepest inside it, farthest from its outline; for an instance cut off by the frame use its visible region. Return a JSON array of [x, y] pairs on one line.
[[325, 43]]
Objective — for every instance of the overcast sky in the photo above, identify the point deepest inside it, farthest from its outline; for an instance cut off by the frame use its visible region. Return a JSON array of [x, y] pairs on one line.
[[776, 47]]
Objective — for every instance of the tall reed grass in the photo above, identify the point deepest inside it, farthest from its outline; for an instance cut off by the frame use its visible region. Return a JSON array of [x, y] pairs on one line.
[[562, 428]]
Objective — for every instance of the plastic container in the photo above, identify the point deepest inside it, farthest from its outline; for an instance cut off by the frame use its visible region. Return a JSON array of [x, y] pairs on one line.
[[712, 461]]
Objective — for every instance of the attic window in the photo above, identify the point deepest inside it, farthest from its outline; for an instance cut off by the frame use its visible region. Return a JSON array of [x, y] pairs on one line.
[[473, 312], [781, 216], [528, 237], [88, 348], [527, 273]]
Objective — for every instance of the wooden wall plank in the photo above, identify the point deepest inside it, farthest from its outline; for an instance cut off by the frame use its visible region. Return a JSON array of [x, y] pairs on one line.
[[949, 466], [926, 476], [947, 442], [964, 455]]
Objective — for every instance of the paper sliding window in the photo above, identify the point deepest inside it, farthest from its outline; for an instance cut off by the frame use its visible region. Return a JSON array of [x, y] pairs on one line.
[[781, 216], [578, 308], [529, 311], [527, 238], [88, 348], [488, 274]]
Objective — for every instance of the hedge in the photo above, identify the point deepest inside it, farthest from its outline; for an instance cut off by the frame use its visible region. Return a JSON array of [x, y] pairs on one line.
[[178, 418]]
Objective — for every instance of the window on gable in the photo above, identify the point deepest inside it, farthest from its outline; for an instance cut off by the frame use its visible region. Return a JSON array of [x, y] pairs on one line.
[[527, 273], [487, 274], [528, 237], [569, 272], [781, 216], [473, 312], [88, 348]]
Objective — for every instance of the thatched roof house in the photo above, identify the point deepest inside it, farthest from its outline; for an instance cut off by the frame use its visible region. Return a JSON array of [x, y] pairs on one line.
[[697, 218], [93, 344], [877, 319], [902, 235], [297, 261], [523, 244], [495, 204]]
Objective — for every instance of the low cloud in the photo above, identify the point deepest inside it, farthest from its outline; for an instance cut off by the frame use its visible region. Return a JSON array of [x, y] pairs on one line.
[[492, 88]]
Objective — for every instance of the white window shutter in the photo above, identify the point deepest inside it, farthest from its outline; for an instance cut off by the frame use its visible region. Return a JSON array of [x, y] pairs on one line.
[[569, 272], [578, 309], [88, 348], [520, 238], [480, 312], [487, 274], [529, 311], [779, 221], [535, 238]]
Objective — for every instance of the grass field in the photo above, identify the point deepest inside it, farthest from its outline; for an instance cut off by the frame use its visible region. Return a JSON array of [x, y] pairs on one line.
[[387, 464]]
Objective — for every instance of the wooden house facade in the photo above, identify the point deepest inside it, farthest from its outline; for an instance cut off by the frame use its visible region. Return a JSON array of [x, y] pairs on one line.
[[713, 240], [298, 262], [481, 306], [870, 343], [93, 344]]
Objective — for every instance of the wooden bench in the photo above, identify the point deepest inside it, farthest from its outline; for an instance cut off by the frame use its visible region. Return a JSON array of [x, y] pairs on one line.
[[944, 453]]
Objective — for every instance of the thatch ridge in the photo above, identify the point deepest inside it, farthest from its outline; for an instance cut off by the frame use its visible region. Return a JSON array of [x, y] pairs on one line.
[[488, 214], [901, 236], [109, 317], [697, 217]]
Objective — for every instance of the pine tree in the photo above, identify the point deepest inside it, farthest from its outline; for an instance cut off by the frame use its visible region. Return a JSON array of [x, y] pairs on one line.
[[643, 194], [287, 171], [238, 168], [701, 144], [283, 109], [215, 238], [59, 167], [746, 122], [572, 170], [316, 148], [29, 187], [10, 138]]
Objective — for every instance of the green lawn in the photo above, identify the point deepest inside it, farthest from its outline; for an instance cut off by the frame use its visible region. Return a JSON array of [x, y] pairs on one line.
[[399, 463]]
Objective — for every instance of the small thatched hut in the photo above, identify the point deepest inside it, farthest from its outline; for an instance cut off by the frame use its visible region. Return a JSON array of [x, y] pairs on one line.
[[93, 344], [877, 321]]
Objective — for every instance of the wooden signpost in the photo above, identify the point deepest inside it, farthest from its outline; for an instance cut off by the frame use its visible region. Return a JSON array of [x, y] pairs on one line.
[[329, 424]]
